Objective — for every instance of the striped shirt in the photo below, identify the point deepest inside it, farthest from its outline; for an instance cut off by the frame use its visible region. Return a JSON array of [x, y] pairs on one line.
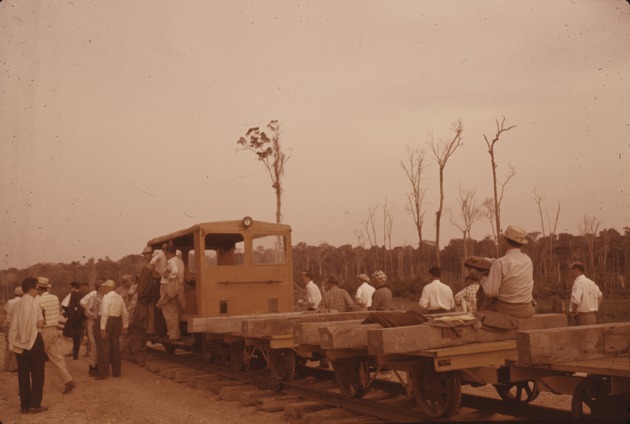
[[50, 306]]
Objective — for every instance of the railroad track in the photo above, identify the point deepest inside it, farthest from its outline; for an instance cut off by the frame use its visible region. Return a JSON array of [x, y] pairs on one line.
[[314, 391]]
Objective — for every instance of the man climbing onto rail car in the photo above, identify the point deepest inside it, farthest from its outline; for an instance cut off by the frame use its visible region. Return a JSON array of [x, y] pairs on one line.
[[586, 297], [508, 288], [170, 292], [138, 319], [313, 294]]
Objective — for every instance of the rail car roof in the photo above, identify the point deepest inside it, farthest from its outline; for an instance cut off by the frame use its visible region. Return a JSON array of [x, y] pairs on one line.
[[220, 226]]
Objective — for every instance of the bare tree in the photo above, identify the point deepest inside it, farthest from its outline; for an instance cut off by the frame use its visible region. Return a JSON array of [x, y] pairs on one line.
[[442, 151], [469, 213], [487, 211], [267, 149], [538, 198], [370, 226], [388, 224], [414, 167], [588, 227], [497, 198]]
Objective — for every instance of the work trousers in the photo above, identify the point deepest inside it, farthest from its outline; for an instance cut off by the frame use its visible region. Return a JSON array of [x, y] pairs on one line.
[[110, 347], [98, 345], [170, 310], [10, 362], [586, 318], [31, 367], [518, 310], [76, 343], [93, 350], [51, 339]]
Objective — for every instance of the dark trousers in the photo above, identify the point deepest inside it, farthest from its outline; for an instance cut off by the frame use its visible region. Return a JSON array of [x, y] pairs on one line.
[[76, 342], [31, 365], [96, 328], [111, 348]]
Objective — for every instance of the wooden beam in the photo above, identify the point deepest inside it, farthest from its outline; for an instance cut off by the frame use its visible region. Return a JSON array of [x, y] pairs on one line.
[[585, 342], [307, 333], [231, 324], [411, 339], [271, 326], [345, 336]]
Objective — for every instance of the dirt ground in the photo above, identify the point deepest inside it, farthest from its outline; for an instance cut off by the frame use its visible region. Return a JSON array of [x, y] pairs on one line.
[[137, 397]]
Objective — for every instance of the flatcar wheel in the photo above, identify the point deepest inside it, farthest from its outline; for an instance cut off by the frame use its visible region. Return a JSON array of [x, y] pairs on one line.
[[282, 364], [520, 392], [170, 349], [237, 356], [592, 399], [438, 394], [352, 376]]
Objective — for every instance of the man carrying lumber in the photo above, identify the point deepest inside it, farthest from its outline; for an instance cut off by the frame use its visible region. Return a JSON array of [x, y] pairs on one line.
[[585, 296], [508, 288]]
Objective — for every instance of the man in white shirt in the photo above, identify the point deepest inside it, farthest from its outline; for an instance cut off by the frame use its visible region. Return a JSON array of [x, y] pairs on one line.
[[91, 302], [170, 292], [363, 296], [437, 297], [26, 341], [313, 294], [10, 363], [114, 321], [508, 288], [586, 297], [50, 305]]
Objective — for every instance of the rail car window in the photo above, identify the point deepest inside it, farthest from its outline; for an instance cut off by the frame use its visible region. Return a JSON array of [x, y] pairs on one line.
[[224, 249], [269, 250]]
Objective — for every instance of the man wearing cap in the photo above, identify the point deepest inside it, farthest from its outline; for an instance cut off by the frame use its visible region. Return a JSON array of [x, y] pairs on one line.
[[363, 296], [436, 296], [335, 298], [25, 340], [114, 322], [510, 282], [50, 305], [478, 268], [382, 296], [10, 363], [139, 318], [586, 297]]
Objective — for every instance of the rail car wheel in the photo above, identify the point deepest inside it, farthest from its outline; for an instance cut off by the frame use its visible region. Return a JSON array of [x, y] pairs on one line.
[[237, 356], [593, 399], [438, 394], [520, 392], [352, 376], [170, 349], [282, 364]]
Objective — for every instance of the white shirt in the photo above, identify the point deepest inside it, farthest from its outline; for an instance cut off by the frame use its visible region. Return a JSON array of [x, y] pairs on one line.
[[113, 305], [9, 308], [158, 263], [586, 294], [364, 294], [511, 278], [313, 295], [437, 295], [50, 305], [23, 328]]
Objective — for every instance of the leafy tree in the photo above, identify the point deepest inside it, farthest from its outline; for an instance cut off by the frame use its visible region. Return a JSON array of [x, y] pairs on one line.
[[267, 149]]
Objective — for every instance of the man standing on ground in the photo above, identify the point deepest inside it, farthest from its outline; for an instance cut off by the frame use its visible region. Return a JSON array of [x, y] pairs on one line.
[[363, 296], [26, 341], [10, 362], [91, 303], [586, 297], [50, 305], [508, 288], [138, 320], [114, 322], [382, 296], [436, 296]]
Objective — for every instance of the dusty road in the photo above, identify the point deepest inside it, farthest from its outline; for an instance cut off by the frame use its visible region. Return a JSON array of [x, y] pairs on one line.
[[137, 397]]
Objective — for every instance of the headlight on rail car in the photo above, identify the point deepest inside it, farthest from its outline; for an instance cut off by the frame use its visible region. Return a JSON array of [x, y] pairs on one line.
[[247, 221]]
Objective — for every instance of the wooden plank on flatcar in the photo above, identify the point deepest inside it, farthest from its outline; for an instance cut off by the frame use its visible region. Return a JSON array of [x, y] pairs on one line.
[[556, 345], [307, 333], [267, 327], [345, 336], [395, 340], [231, 324]]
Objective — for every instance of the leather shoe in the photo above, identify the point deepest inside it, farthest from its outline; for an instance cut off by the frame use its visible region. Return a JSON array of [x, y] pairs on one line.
[[38, 409], [69, 386]]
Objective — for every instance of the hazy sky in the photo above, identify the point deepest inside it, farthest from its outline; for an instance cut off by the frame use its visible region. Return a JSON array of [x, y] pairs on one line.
[[119, 119]]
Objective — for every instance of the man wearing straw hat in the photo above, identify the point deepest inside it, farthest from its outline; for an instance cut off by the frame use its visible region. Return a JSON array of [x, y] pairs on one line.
[[508, 288]]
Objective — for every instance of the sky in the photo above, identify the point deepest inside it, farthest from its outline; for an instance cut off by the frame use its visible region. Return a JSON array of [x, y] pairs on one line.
[[119, 119]]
